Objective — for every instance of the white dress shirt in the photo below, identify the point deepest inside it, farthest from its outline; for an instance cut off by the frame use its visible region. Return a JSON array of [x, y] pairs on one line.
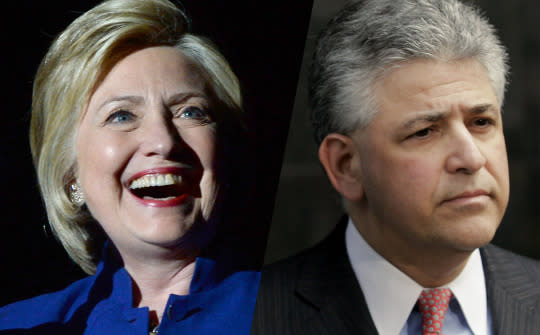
[[391, 295]]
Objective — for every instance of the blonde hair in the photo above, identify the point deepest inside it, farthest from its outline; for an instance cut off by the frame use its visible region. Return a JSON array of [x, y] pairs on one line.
[[76, 63]]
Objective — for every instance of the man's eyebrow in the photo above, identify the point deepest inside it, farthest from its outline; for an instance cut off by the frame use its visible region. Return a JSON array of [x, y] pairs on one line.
[[479, 109], [437, 116], [424, 117]]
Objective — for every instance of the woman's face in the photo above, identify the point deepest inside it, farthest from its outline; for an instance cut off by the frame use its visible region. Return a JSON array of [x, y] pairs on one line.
[[146, 150]]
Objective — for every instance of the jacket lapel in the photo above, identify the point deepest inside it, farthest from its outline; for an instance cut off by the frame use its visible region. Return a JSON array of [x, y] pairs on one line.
[[513, 292], [328, 283]]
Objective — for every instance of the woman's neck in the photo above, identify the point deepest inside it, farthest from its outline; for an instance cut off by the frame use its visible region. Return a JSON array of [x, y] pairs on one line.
[[156, 278]]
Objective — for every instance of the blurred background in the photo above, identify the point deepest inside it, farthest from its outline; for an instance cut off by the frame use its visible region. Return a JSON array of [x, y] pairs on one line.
[[263, 43], [307, 207]]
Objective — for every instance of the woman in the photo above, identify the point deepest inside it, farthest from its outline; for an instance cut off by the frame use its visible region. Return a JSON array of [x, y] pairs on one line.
[[136, 125]]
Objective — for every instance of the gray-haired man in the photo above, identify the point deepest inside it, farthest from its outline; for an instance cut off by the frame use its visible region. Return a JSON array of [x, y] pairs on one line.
[[406, 103]]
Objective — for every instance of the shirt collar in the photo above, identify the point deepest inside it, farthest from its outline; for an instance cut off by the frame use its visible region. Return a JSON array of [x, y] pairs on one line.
[[389, 310], [469, 288]]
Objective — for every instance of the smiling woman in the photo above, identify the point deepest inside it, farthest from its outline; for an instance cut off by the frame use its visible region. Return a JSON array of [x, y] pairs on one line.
[[160, 141], [135, 126]]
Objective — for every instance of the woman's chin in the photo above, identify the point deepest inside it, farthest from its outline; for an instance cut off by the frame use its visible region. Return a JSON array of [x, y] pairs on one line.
[[187, 238]]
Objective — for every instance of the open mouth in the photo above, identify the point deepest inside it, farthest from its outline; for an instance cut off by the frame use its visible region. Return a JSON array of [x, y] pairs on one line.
[[159, 189]]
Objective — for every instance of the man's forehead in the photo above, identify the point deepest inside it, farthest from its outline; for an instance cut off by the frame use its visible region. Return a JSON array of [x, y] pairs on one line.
[[425, 85], [423, 73]]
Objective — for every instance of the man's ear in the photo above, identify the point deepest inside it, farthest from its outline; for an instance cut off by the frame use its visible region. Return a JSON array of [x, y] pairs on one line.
[[341, 161]]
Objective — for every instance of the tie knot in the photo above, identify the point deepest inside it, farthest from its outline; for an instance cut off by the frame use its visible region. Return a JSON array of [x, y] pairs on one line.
[[433, 305]]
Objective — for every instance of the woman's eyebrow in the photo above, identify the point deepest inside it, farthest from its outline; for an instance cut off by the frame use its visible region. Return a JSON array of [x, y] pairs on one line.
[[183, 96], [135, 99]]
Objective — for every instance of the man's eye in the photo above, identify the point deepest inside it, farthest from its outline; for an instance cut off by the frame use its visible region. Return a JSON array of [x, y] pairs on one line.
[[422, 133], [483, 122], [192, 112], [121, 116]]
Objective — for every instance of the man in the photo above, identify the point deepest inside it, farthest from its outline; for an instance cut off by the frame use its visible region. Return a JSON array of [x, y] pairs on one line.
[[406, 103]]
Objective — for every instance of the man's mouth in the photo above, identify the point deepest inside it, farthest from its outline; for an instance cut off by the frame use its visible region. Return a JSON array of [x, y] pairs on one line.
[[468, 195], [468, 198]]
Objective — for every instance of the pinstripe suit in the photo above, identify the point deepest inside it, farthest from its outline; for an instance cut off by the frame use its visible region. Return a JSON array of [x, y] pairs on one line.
[[317, 292]]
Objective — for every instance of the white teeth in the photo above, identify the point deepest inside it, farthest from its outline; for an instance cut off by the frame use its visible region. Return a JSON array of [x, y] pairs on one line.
[[156, 180], [169, 179], [162, 199]]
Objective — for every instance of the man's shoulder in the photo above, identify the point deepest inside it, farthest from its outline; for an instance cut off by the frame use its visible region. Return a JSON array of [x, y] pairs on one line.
[[313, 292], [511, 272], [513, 289], [45, 309], [508, 263], [280, 277], [280, 307], [314, 259]]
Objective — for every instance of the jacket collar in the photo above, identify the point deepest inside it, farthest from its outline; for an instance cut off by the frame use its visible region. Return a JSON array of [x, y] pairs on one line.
[[113, 280]]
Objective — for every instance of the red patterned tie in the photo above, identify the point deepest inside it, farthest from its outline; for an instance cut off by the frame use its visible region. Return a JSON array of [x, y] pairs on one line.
[[433, 304]]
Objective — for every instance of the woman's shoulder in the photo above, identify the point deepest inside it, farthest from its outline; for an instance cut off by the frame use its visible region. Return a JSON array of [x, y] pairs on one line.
[[48, 308]]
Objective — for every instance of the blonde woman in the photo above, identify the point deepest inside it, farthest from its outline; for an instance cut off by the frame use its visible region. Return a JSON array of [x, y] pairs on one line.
[[136, 125]]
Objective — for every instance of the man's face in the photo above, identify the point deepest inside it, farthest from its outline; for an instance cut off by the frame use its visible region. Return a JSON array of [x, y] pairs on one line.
[[433, 161]]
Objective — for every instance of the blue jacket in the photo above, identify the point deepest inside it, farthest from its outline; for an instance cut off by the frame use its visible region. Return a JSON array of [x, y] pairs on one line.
[[221, 301]]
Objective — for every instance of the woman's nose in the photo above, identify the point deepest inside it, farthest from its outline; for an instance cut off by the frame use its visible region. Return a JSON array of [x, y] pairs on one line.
[[160, 137], [466, 154]]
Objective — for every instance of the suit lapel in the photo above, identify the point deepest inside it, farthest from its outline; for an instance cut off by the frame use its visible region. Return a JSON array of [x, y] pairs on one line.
[[328, 283], [513, 292]]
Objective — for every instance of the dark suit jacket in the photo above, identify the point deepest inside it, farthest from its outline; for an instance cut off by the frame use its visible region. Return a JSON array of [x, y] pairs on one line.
[[316, 292]]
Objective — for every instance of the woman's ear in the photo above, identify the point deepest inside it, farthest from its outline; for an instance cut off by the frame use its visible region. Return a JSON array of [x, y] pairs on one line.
[[341, 161]]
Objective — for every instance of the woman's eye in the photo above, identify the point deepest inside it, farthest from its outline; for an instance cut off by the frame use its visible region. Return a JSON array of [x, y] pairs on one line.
[[192, 112], [121, 116]]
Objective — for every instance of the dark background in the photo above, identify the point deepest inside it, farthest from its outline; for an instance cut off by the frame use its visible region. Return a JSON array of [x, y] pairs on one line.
[[307, 207], [263, 41]]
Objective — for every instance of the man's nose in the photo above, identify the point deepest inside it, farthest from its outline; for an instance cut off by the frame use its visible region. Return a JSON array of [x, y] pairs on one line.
[[465, 154], [160, 137]]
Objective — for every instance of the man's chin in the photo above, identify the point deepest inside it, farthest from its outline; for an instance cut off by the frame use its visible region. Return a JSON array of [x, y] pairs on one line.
[[472, 241]]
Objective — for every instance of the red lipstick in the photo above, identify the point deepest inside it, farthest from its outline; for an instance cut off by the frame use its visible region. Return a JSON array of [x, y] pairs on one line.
[[176, 201]]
